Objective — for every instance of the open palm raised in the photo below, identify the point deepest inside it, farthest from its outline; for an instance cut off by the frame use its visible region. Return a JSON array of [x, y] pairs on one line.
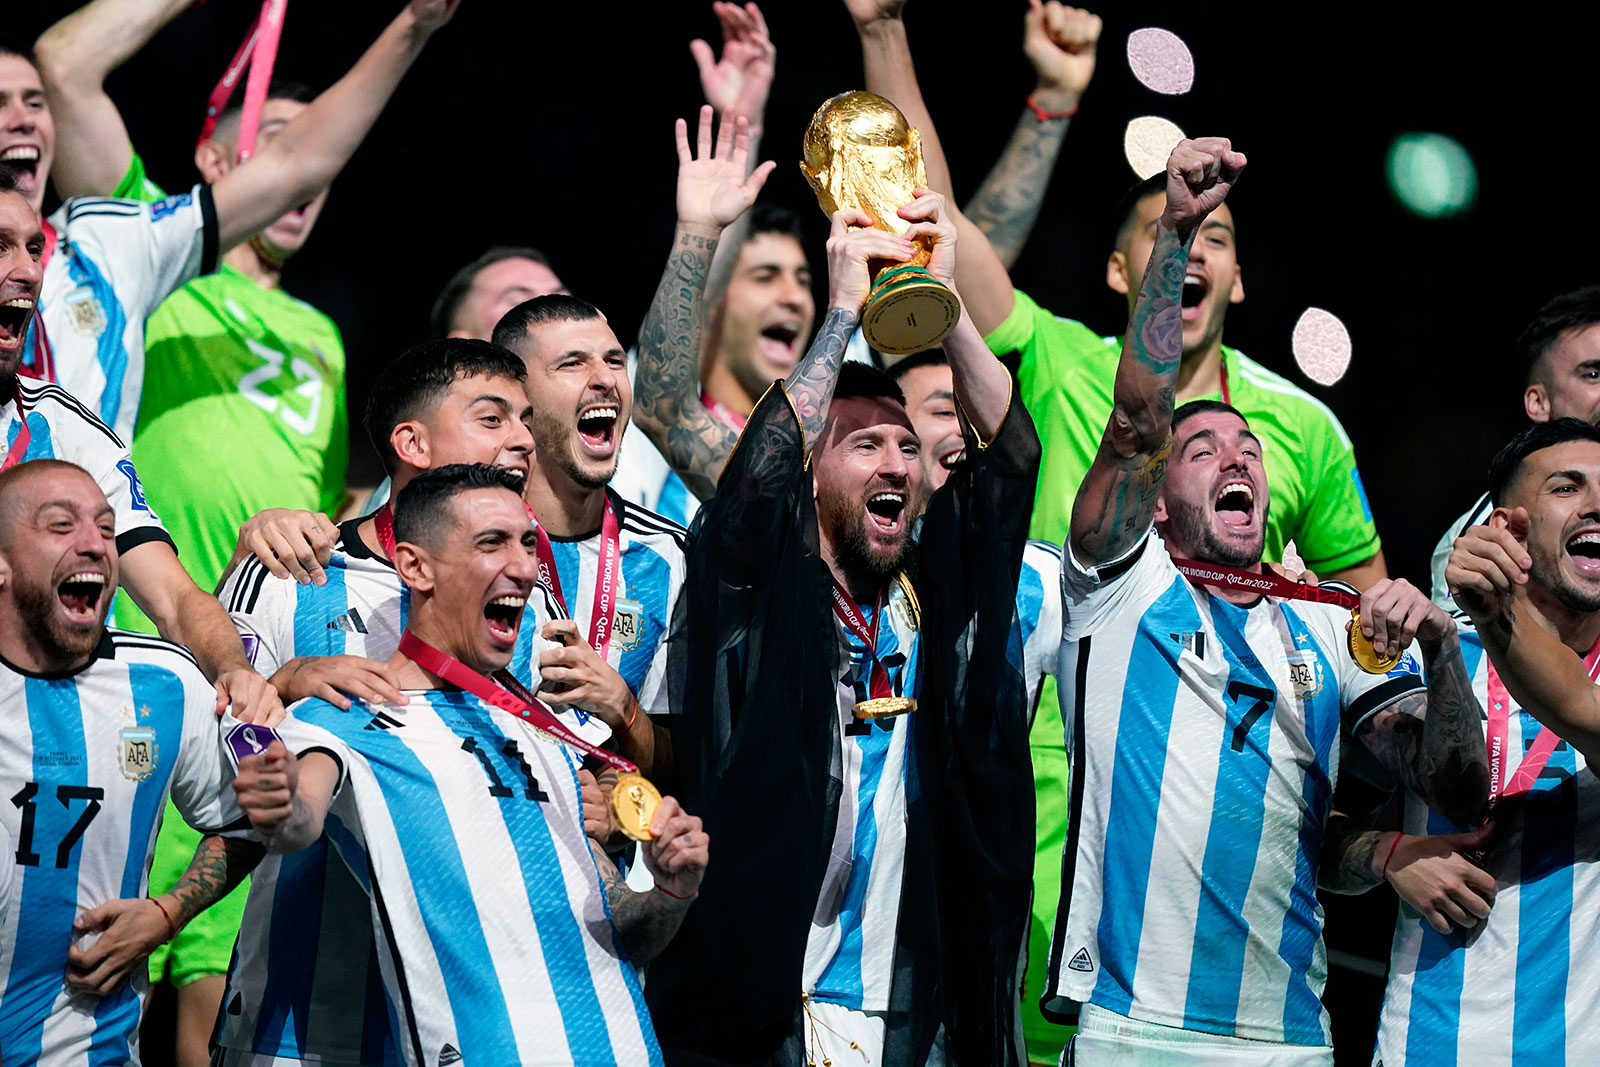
[[713, 189]]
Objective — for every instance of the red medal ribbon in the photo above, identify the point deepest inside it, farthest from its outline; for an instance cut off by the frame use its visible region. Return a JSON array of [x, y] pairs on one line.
[[1221, 577], [19, 447], [723, 413], [1499, 739], [526, 707], [605, 586], [258, 52], [845, 608]]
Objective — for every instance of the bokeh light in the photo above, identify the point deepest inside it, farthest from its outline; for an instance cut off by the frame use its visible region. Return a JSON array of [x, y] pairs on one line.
[[1161, 61], [1148, 141], [1321, 346], [1432, 175]]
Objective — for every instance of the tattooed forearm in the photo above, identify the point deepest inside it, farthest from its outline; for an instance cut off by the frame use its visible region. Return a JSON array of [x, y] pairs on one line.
[[810, 385], [1006, 205], [645, 922], [666, 387], [1434, 743], [1347, 852], [219, 864]]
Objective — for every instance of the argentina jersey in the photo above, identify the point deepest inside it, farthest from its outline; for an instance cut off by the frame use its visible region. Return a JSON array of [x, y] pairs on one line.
[[1204, 739], [850, 950], [652, 568], [59, 427], [1519, 988], [467, 831], [1037, 639], [304, 981], [87, 761], [113, 263]]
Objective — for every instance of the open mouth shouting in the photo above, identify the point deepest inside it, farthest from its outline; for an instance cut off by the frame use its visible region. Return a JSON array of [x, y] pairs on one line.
[[951, 459], [1583, 548], [80, 594], [780, 342], [1195, 288], [502, 618], [15, 314], [1236, 505], [886, 511], [597, 429], [23, 159]]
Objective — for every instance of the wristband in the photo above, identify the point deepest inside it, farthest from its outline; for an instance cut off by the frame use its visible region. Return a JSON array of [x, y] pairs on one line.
[[675, 896], [1045, 116], [172, 929], [1385, 872], [629, 724]]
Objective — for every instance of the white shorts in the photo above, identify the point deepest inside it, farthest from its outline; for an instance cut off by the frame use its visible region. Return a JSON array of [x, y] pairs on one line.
[[830, 1029], [1106, 1039]]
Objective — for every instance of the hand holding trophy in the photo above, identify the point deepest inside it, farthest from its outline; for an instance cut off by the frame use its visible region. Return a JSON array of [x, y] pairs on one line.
[[860, 154]]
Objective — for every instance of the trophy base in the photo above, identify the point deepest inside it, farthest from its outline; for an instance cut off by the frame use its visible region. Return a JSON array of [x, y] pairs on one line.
[[908, 311]]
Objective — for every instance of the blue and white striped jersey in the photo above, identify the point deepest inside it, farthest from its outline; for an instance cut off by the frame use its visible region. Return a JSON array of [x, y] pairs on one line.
[[466, 829], [850, 951], [1204, 739], [1039, 615], [87, 760], [113, 264], [1520, 989], [61, 428]]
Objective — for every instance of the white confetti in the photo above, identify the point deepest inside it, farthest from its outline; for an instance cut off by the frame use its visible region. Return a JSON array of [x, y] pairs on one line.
[[1321, 346], [1161, 61], [1147, 143]]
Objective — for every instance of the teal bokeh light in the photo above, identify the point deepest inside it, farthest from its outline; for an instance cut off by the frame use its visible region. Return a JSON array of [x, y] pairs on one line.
[[1432, 175]]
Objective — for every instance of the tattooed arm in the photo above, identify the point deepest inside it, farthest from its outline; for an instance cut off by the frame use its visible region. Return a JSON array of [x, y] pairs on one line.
[[1060, 42], [676, 858], [1117, 499], [1347, 864], [1431, 872], [713, 190]]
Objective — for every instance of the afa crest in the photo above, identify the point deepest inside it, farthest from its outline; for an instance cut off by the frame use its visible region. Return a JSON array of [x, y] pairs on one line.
[[136, 752], [85, 312], [627, 624]]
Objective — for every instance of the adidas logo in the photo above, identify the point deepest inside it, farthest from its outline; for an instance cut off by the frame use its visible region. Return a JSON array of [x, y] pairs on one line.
[[448, 1054], [1080, 961], [350, 622], [381, 721]]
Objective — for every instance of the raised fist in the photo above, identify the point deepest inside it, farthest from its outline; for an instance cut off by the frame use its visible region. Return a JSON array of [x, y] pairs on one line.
[[1060, 43], [1200, 173]]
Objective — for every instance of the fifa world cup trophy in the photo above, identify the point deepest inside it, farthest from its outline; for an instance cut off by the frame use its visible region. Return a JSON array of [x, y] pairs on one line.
[[859, 153]]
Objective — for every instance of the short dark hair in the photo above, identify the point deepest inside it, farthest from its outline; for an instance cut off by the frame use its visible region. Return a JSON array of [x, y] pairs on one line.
[[277, 89], [552, 307], [1204, 407], [443, 316], [1569, 311], [11, 46], [928, 357], [1128, 206], [423, 505], [1507, 462], [771, 218], [10, 179], [415, 381], [857, 379]]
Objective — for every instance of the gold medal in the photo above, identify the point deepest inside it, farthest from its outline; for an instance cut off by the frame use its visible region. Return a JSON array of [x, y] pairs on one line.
[[1364, 654], [883, 707], [633, 803]]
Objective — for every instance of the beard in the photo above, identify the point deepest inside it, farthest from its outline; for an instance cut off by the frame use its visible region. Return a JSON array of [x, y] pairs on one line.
[[62, 642], [1547, 571], [843, 519], [1192, 526], [548, 429]]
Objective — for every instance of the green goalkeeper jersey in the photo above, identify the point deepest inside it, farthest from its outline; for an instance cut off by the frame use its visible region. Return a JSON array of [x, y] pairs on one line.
[[1067, 371], [243, 409]]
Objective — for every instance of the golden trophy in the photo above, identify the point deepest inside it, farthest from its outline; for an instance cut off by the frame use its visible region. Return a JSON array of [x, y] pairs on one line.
[[859, 153]]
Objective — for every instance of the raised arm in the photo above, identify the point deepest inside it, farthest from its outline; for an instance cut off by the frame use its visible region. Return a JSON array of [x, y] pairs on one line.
[[1488, 575], [75, 56], [308, 153], [1117, 499], [713, 190], [1060, 43], [676, 858]]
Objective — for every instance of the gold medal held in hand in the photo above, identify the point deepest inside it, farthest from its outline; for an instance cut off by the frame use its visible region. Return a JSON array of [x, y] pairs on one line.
[[883, 707], [1364, 654], [633, 804]]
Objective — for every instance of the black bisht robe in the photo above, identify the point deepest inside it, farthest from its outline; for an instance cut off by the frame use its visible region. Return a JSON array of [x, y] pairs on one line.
[[756, 747]]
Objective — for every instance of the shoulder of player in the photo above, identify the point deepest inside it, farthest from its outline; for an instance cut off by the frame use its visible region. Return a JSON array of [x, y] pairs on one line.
[[93, 211], [130, 647], [1041, 554], [1285, 399], [54, 402], [646, 526]]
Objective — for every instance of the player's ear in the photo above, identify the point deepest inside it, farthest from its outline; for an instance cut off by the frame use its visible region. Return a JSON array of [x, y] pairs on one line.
[[1536, 402], [1159, 515], [213, 160], [1236, 294], [1117, 272], [414, 566], [410, 443], [5, 570]]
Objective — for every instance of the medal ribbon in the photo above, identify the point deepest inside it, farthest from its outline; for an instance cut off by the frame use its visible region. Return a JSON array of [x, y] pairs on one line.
[[1499, 739], [605, 586], [1215, 574], [526, 707], [844, 607], [723, 413], [257, 52], [19, 447]]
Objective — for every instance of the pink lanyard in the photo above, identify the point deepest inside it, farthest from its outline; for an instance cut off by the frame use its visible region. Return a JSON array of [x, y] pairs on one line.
[[1265, 582], [258, 52], [605, 586], [878, 685], [19, 447], [1499, 739]]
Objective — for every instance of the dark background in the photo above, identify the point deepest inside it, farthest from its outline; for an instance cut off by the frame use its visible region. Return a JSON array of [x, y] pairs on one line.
[[552, 125]]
